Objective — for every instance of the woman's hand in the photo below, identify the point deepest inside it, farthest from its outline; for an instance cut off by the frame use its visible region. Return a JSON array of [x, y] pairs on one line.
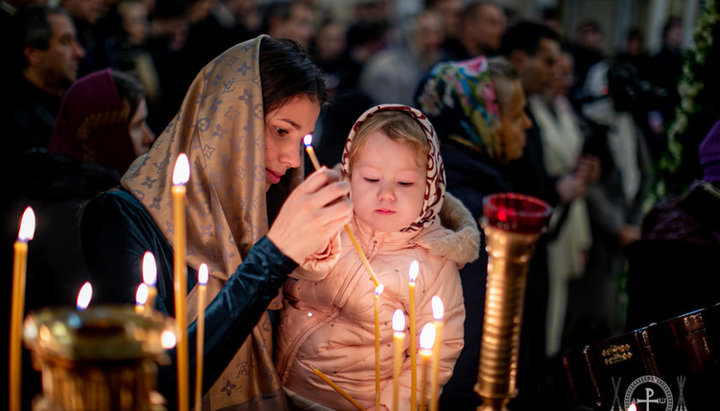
[[312, 213]]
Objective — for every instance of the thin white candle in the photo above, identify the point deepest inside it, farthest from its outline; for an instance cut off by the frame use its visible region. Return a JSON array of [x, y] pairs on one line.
[[398, 323], [202, 285], [438, 312], [376, 304], [181, 175], [427, 339], [412, 274]]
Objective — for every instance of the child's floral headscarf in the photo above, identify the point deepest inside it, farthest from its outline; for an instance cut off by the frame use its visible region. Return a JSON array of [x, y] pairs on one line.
[[460, 101], [435, 180]]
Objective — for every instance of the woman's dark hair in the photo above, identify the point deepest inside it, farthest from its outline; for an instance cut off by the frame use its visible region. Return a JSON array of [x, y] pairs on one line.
[[286, 71], [129, 89]]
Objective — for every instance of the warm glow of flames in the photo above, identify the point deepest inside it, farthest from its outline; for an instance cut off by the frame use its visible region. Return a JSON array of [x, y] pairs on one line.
[[141, 295], [27, 225], [167, 339], [181, 174], [437, 308], [203, 274], [632, 407], [427, 337], [379, 289], [84, 296], [307, 140], [413, 270], [149, 269], [398, 321]]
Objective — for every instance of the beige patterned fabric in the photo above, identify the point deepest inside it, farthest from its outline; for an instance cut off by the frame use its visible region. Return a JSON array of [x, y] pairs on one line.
[[220, 127]]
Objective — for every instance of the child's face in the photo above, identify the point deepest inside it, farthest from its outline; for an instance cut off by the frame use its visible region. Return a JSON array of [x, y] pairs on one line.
[[387, 184]]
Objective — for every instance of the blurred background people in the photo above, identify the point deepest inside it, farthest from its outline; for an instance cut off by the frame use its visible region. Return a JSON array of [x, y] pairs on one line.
[[480, 32]]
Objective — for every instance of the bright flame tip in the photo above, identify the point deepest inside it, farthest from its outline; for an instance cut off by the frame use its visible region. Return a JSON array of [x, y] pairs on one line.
[[437, 308], [307, 140], [398, 321], [27, 225], [427, 336], [149, 269], [413, 270], [84, 296], [181, 173], [379, 289], [203, 274]]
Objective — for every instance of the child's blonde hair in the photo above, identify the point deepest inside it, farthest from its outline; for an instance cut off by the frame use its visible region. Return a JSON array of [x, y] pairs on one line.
[[398, 126]]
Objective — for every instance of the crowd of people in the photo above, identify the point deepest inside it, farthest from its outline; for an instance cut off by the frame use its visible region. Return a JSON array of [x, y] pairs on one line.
[[426, 114]]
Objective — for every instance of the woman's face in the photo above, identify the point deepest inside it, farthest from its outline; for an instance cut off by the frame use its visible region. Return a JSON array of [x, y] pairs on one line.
[[285, 128], [513, 123], [140, 134]]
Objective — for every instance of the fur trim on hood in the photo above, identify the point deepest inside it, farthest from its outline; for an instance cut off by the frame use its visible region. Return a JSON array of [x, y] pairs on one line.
[[462, 244]]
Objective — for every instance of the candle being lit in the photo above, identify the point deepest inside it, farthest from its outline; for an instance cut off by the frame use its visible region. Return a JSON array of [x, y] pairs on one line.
[[141, 297], [427, 339], [438, 312], [84, 296], [25, 234], [202, 285], [337, 388], [376, 306], [149, 271], [413, 273], [181, 175], [398, 324], [307, 141]]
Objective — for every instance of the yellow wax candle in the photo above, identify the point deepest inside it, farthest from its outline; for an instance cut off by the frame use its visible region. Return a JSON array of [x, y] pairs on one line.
[[413, 272], [376, 301], [398, 323], [337, 388], [202, 285], [181, 175], [141, 297], [84, 296], [307, 141], [427, 339], [25, 234], [438, 313], [149, 271]]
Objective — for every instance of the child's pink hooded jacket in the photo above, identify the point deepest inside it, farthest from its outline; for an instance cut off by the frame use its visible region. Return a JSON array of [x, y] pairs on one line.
[[328, 320]]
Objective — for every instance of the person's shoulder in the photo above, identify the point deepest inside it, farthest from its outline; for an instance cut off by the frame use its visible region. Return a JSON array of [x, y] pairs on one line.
[[112, 205]]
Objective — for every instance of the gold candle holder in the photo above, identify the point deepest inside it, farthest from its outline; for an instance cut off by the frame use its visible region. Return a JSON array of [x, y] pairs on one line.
[[103, 358], [512, 224]]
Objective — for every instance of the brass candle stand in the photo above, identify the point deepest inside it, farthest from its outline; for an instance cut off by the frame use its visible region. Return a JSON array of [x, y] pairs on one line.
[[512, 224], [103, 358]]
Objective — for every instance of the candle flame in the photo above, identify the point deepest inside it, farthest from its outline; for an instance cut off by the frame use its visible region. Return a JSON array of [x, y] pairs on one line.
[[632, 407], [413, 270], [181, 174], [149, 269], [141, 295], [307, 140], [427, 336], [84, 296], [379, 289], [167, 339], [398, 321], [203, 274], [27, 225], [437, 308]]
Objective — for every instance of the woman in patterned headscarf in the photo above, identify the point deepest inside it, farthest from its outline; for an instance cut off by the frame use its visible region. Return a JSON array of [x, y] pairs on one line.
[[477, 108], [240, 124]]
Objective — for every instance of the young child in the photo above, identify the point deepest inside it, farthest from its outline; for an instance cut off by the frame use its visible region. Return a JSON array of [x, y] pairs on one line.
[[397, 181]]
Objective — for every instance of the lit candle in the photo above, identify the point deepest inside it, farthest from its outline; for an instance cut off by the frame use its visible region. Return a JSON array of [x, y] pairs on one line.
[[438, 313], [149, 271], [202, 285], [27, 230], [84, 296], [632, 407], [413, 272], [181, 175], [307, 141], [337, 388], [398, 324], [376, 301], [427, 339], [167, 339], [141, 297]]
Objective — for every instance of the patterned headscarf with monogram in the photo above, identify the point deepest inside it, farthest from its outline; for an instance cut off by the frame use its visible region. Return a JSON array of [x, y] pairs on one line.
[[435, 180], [220, 127]]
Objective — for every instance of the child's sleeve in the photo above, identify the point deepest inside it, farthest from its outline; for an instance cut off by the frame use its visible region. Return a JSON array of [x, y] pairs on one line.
[[318, 264], [446, 285]]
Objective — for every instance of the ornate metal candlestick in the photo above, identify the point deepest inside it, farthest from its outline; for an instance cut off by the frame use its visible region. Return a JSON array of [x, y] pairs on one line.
[[103, 358], [512, 224]]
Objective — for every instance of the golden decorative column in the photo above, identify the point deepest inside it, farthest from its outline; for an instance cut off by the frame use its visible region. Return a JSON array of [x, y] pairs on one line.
[[512, 224]]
